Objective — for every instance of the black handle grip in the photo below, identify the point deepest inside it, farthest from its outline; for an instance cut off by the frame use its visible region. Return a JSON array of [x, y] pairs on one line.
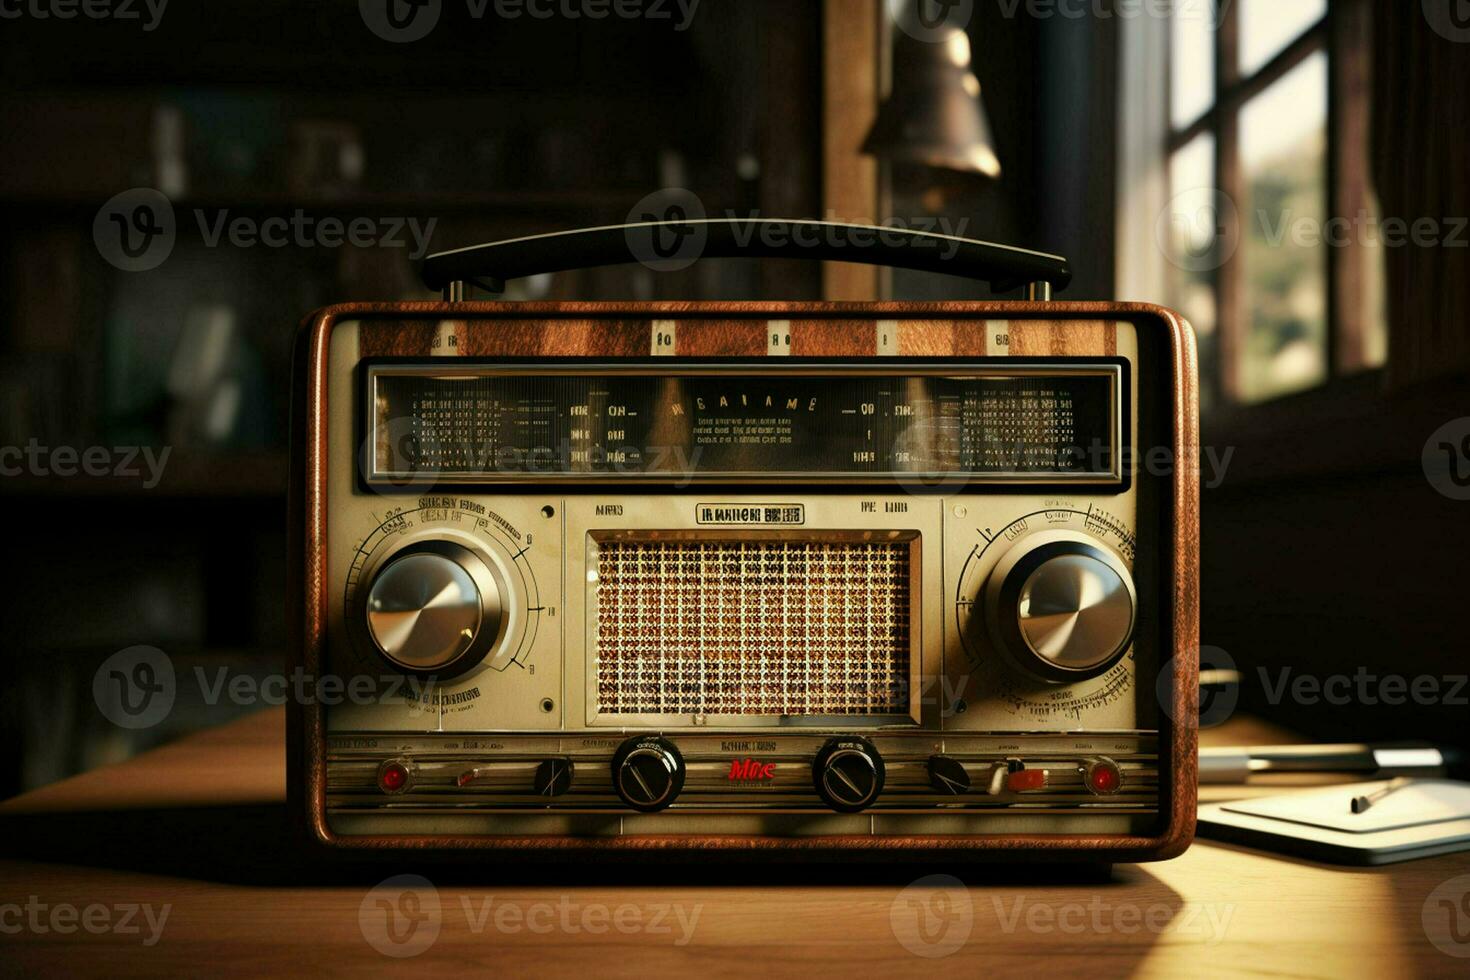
[[675, 244]]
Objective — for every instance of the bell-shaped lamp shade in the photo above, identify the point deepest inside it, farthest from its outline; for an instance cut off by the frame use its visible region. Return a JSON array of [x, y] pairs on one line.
[[934, 115]]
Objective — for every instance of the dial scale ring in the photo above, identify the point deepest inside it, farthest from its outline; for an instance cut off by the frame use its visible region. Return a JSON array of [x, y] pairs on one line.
[[485, 535]]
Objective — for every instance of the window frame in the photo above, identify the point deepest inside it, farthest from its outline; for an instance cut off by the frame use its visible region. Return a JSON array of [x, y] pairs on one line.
[[1342, 34]]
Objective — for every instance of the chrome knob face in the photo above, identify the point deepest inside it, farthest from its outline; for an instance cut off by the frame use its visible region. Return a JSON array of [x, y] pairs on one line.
[[1075, 612], [648, 773], [434, 608], [1063, 610], [848, 774]]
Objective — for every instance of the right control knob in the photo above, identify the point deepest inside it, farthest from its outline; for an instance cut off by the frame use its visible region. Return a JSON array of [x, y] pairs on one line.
[[1062, 607]]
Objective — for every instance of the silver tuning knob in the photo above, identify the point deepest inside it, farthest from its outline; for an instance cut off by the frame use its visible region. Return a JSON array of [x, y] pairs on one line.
[[1061, 606], [434, 608]]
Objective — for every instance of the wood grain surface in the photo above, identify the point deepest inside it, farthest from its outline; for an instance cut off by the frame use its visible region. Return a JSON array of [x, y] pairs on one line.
[[199, 827]]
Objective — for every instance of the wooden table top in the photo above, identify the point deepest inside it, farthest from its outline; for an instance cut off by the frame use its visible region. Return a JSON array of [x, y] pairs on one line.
[[180, 861]]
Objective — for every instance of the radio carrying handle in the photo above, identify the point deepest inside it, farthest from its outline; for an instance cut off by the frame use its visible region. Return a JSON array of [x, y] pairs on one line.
[[671, 245]]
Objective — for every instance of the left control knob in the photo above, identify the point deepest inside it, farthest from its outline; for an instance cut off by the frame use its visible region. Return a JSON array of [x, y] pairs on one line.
[[648, 772], [434, 608], [848, 774]]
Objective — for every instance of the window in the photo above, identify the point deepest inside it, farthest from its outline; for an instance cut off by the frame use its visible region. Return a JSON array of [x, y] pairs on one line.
[[1271, 230]]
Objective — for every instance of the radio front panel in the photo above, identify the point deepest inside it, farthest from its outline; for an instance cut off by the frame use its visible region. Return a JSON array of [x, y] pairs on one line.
[[746, 576]]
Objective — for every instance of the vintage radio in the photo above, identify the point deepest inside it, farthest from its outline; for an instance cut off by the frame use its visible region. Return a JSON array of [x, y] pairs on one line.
[[861, 580]]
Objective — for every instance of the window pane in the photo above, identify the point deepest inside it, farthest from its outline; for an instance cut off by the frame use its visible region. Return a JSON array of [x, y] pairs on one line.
[[1193, 231], [1283, 136], [1268, 26], [1192, 53]]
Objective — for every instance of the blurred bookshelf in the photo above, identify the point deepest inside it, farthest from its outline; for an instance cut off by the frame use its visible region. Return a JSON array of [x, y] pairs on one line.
[[269, 109]]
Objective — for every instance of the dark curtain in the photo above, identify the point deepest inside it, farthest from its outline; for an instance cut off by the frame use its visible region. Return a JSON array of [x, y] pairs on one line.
[[1421, 168]]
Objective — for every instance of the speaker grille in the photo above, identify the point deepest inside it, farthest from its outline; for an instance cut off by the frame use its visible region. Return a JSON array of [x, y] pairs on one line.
[[768, 627]]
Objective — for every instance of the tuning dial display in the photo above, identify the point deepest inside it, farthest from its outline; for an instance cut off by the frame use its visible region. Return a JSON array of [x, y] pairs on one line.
[[848, 774], [1063, 608], [434, 608], [648, 773]]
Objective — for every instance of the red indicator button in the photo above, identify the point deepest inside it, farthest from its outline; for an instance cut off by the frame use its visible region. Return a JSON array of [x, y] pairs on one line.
[[392, 777], [1103, 777], [1026, 779]]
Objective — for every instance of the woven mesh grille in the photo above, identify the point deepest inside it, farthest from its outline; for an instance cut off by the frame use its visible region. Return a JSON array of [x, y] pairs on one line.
[[753, 627]]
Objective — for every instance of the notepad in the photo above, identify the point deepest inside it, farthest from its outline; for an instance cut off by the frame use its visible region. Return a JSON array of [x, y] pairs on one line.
[[1419, 818]]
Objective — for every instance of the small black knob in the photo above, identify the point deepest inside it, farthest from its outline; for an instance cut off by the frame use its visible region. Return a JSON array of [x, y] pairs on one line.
[[553, 777], [848, 774], [648, 772], [947, 775]]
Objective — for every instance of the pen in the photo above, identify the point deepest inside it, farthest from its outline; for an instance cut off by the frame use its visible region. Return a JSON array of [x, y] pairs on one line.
[[1237, 765]]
